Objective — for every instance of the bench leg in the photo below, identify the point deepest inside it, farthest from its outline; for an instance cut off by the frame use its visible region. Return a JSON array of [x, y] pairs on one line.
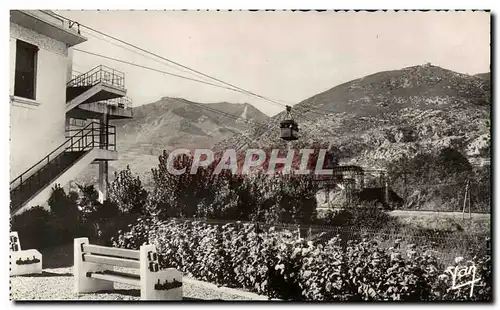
[[84, 284], [23, 262], [151, 276], [166, 276]]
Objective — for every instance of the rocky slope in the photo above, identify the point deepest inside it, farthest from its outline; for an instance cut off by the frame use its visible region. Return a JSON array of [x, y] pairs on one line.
[[370, 121], [378, 118]]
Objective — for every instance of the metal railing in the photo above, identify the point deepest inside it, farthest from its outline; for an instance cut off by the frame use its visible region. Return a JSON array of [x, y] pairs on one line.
[[80, 123], [89, 137], [99, 74], [75, 74], [120, 102]]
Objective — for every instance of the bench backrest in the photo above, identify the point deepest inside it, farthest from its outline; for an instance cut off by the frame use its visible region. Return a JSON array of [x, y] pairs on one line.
[[145, 258], [110, 256]]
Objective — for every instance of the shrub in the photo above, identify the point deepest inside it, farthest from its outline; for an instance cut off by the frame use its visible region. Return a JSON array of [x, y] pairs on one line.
[[180, 195], [280, 265], [103, 220], [40, 228], [70, 217], [64, 205], [362, 216], [34, 228]]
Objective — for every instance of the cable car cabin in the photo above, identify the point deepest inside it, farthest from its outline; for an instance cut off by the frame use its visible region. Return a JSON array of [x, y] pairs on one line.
[[289, 130]]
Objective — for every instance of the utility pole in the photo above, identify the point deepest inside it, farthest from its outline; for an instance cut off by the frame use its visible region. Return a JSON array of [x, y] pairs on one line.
[[465, 199], [470, 214], [404, 185], [386, 193]]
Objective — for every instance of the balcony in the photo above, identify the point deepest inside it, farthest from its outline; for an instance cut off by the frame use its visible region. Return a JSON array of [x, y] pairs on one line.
[[96, 92], [111, 80], [117, 108]]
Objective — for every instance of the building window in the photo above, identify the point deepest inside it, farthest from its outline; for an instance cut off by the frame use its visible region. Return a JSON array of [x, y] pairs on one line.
[[25, 78]]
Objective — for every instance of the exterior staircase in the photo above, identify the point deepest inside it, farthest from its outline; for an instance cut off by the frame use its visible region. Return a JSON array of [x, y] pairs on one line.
[[92, 143], [91, 95]]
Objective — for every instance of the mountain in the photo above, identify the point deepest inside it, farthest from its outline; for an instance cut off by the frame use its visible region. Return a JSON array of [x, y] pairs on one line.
[[171, 123], [381, 117], [484, 76], [370, 121]]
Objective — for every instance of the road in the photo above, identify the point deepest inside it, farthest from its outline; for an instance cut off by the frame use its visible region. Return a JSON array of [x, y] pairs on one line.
[[438, 214], [432, 213]]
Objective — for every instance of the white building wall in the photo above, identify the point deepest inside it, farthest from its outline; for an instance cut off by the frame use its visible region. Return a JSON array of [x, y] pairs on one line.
[[37, 127]]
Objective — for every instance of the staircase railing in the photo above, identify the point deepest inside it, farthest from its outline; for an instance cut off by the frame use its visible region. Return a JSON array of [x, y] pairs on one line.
[[99, 74], [91, 136], [75, 74]]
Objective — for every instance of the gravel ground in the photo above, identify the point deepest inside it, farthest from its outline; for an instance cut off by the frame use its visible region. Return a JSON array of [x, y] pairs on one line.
[[57, 284]]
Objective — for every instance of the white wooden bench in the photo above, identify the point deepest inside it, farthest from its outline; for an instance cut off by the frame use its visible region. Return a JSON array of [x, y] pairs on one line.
[[94, 270], [23, 262]]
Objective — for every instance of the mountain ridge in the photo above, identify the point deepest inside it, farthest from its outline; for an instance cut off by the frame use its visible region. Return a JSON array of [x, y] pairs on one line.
[[372, 118], [169, 123], [370, 121]]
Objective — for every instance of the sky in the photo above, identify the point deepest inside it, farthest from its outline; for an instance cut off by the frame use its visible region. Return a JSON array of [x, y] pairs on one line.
[[287, 56]]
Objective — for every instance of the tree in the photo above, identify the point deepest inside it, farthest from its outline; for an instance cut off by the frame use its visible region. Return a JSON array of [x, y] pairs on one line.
[[433, 180], [179, 195], [127, 192], [88, 202], [453, 163], [231, 196]]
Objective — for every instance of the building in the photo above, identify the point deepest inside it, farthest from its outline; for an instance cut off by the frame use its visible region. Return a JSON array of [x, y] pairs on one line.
[[59, 120], [347, 185]]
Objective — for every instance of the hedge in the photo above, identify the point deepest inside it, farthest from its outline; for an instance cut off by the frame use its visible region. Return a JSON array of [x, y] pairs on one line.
[[282, 265]]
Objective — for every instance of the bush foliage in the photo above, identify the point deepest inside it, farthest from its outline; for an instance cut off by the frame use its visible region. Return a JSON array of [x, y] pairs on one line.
[[73, 215], [281, 265], [284, 198]]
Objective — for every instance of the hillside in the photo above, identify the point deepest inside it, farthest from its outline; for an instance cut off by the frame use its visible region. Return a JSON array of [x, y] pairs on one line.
[[371, 121], [485, 76], [171, 123], [381, 117]]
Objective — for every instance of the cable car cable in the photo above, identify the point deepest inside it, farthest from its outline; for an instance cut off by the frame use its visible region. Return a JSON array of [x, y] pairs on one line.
[[186, 67], [166, 59], [143, 55], [183, 66], [183, 77], [153, 69]]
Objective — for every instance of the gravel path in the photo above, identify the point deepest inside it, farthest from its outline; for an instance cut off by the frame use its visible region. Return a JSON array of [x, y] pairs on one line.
[[57, 284]]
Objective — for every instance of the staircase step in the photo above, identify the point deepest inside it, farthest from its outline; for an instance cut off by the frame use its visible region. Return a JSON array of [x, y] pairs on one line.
[[44, 176]]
